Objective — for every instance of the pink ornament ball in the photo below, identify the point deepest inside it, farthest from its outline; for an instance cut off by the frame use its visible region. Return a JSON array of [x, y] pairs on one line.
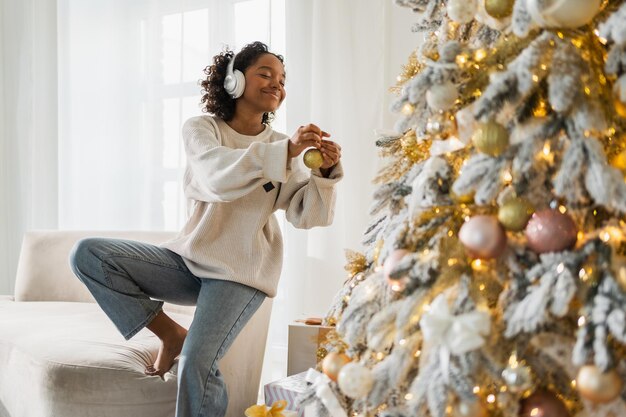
[[543, 403], [551, 231], [392, 261], [396, 284], [483, 237]]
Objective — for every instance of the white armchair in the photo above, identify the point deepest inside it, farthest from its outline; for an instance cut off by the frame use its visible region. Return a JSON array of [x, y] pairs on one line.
[[60, 356]]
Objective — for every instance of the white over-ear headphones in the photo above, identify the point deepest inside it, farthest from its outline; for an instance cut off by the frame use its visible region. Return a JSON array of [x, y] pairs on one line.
[[235, 81]]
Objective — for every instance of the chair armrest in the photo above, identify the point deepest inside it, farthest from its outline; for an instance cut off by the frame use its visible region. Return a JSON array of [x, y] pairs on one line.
[[6, 298]]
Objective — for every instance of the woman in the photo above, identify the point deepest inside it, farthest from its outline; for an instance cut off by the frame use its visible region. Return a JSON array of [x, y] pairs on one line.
[[228, 256]]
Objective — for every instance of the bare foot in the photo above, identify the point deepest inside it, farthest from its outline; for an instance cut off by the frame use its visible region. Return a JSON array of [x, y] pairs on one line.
[[169, 350]]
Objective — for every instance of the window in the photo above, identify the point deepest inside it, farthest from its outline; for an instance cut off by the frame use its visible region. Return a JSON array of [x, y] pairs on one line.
[[128, 79]]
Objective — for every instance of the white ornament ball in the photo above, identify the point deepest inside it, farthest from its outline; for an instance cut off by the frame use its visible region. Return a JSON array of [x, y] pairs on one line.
[[355, 380], [462, 11], [442, 96], [563, 13]]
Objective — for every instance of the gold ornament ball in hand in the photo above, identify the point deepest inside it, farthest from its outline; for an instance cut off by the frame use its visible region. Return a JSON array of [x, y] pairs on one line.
[[499, 8], [313, 158], [515, 213], [491, 138], [598, 386]]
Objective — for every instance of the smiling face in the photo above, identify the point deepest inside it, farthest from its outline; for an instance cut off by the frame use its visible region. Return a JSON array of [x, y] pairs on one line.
[[265, 84]]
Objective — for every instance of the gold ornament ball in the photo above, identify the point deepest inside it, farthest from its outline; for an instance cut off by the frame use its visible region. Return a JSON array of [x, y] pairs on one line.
[[515, 213], [499, 8], [598, 386], [313, 158], [332, 364], [491, 138]]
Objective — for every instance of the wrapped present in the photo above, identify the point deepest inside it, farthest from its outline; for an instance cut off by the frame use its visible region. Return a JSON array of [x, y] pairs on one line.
[[304, 348], [286, 389]]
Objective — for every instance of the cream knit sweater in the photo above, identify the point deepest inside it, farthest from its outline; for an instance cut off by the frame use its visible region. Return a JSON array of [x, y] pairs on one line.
[[234, 183]]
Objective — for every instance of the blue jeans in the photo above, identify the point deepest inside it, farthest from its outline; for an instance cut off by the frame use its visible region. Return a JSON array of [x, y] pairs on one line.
[[130, 280]]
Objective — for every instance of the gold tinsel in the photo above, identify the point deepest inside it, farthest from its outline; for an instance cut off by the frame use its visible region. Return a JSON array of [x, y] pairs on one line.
[[405, 152], [356, 262], [412, 67], [414, 149]]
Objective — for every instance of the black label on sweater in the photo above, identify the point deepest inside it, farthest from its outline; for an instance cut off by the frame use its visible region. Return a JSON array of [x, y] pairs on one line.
[[268, 187]]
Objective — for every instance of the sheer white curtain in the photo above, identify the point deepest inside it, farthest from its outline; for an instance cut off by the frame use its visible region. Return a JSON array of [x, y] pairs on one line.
[[28, 126], [341, 59]]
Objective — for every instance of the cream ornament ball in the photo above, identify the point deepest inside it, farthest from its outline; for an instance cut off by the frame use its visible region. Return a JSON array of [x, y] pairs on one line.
[[332, 364], [355, 380], [462, 11], [518, 378], [569, 14], [483, 237], [598, 386], [441, 97]]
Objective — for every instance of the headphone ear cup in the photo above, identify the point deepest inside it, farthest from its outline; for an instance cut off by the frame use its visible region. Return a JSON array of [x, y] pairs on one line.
[[239, 84]]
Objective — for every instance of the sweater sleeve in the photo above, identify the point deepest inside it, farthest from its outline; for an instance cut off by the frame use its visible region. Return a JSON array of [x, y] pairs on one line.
[[308, 198], [221, 174]]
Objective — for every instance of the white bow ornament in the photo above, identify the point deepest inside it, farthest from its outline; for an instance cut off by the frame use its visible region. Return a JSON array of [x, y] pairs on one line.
[[325, 393], [453, 335]]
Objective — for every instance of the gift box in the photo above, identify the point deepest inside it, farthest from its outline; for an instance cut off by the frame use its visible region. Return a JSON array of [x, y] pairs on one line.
[[286, 389], [304, 348]]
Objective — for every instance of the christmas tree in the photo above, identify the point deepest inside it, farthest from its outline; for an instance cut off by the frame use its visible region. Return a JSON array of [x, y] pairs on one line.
[[494, 277]]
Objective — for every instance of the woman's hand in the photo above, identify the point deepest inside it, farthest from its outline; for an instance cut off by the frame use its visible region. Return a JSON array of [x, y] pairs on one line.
[[306, 137], [331, 152]]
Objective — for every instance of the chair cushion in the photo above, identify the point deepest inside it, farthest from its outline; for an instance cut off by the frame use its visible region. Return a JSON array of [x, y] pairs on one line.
[[67, 359]]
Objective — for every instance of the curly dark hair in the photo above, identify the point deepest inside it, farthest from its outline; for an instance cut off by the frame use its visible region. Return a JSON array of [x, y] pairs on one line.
[[215, 99]]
